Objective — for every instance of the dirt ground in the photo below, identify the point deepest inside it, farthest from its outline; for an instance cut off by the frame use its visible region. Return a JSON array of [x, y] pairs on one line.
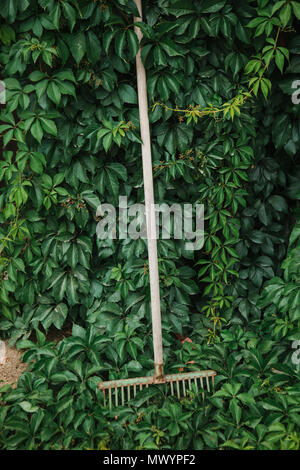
[[13, 367]]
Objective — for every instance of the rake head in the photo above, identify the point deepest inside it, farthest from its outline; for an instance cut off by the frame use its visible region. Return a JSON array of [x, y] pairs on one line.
[[122, 390]]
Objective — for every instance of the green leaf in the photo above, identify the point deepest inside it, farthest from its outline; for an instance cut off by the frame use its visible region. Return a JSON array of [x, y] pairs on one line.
[[133, 43], [285, 14], [107, 141], [37, 131], [120, 43], [296, 8], [278, 203], [127, 94], [49, 126], [212, 6], [134, 366], [54, 93], [171, 48], [107, 38], [28, 407], [93, 47], [112, 183], [235, 410], [77, 45], [279, 60], [70, 14], [71, 290]]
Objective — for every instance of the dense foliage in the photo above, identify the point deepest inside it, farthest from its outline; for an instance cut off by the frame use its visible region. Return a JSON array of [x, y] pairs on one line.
[[225, 133]]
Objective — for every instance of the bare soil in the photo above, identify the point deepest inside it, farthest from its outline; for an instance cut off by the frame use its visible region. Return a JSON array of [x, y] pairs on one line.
[[13, 368]]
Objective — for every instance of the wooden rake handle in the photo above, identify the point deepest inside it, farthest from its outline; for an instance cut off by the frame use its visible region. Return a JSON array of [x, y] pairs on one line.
[[149, 203]]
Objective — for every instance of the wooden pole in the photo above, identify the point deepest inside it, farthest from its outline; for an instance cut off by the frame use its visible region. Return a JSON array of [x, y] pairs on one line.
[[2, 352], [149, 204]]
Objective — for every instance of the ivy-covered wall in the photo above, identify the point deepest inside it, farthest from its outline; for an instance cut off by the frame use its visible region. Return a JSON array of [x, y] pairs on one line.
[[70, 138]]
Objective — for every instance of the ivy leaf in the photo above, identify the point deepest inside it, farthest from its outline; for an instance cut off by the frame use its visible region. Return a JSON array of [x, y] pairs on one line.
[[278, 203], [171, 48], [54, 93], [285, 14], [296, 8], [70, 14], [120, 43], [127, 94], [37, 131], [77, 45], [212, 6], [133, 43], [49, 126], [93, 47], [28, 407]]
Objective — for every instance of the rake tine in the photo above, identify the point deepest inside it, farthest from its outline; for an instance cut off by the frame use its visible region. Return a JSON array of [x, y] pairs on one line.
[[128, 391], [207, 383], [195, 382], [172, 387], [190, 384], [201, 380], [141, 386], [116, 397], [134, 390], [122, 393], [178, 389], [109, 397], [183, 386], [104, 396]]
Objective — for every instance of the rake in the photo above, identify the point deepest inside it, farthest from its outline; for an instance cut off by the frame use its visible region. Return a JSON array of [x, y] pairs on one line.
[[121, 391]]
